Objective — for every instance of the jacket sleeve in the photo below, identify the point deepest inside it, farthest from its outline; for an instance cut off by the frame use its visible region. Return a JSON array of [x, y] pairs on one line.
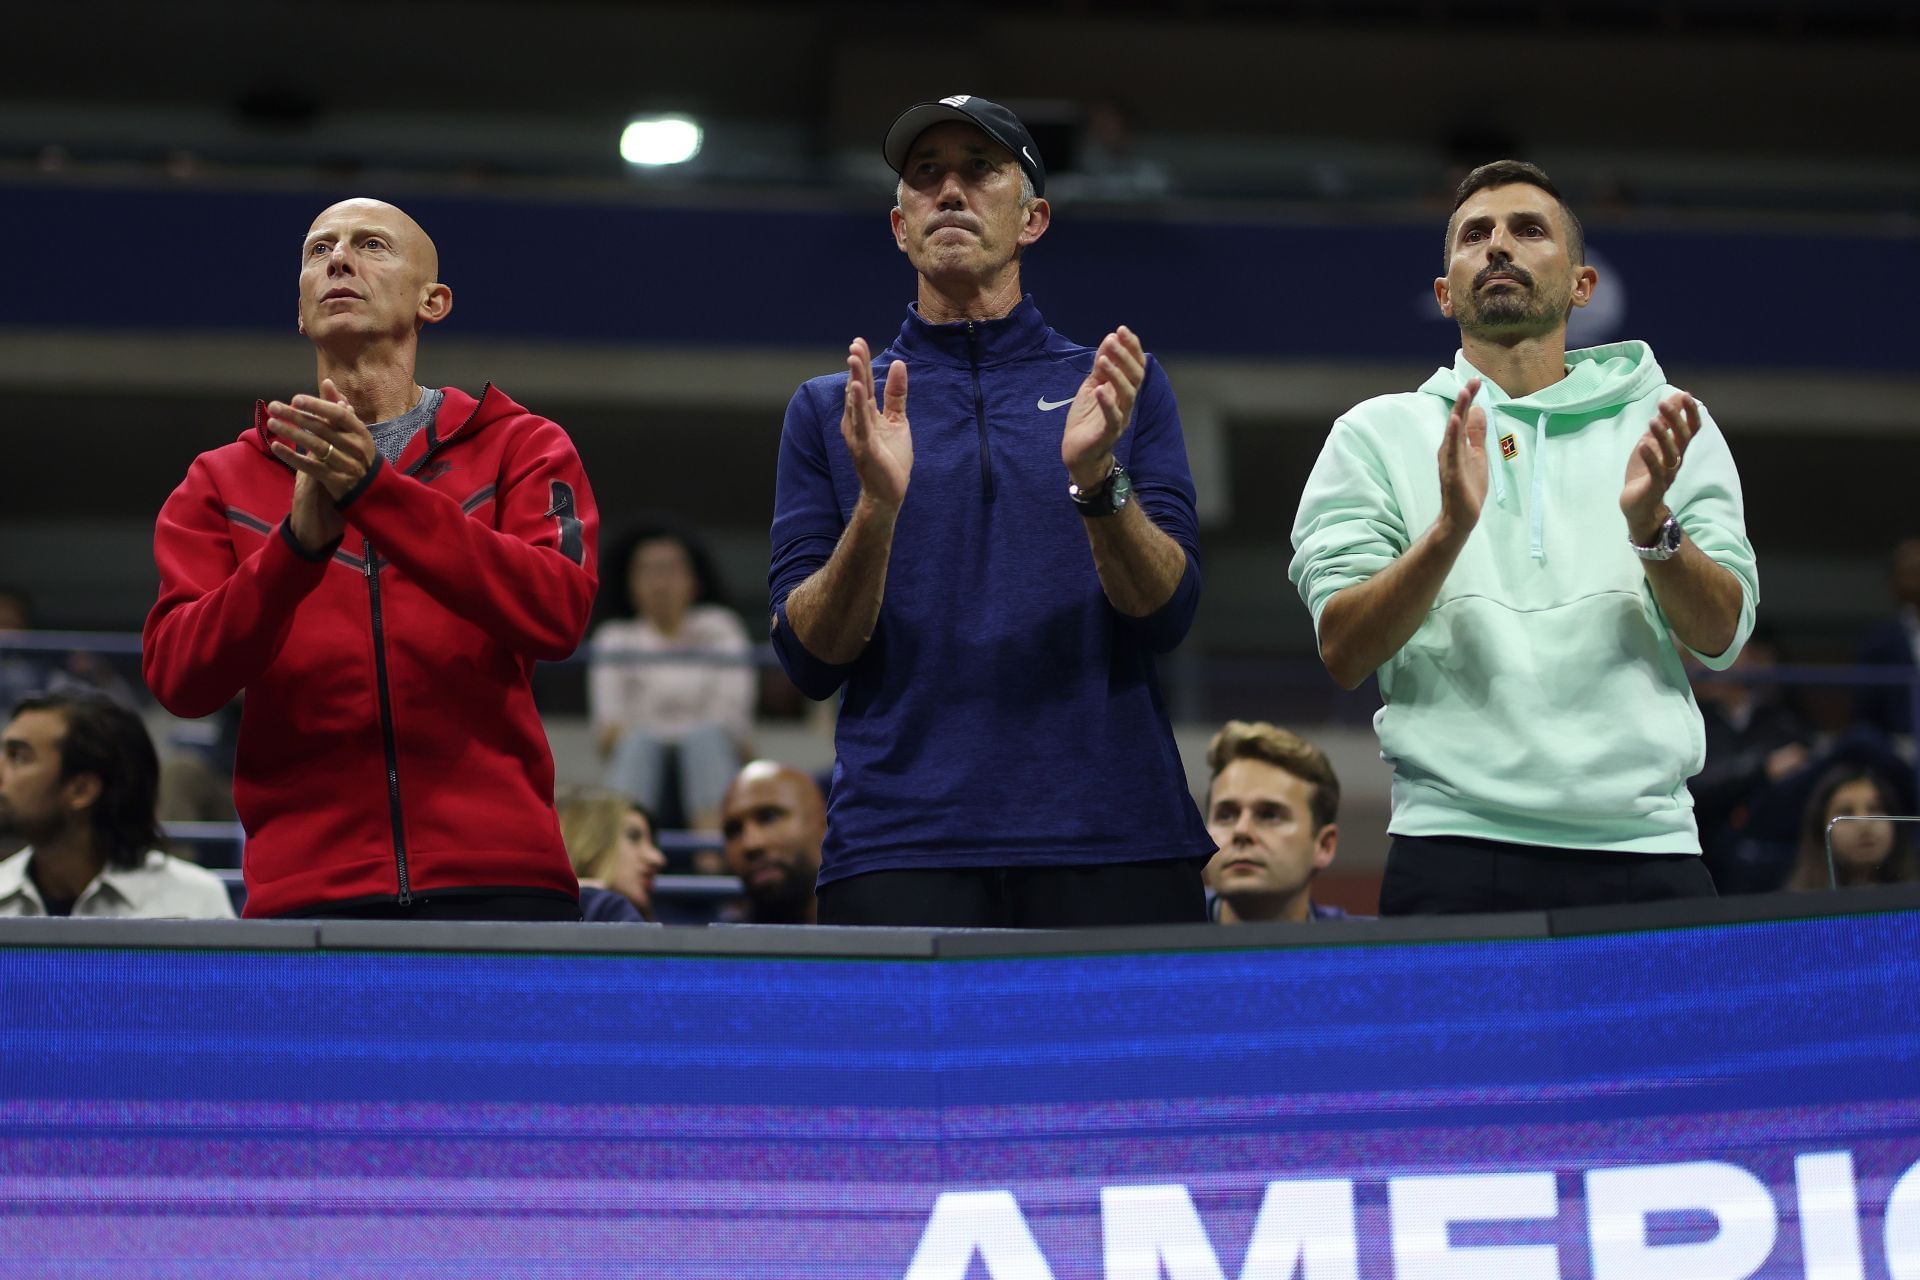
[[1705, 499], [1163, 486], [807, 525], [220, 619], [528, 582], [1349, 525]]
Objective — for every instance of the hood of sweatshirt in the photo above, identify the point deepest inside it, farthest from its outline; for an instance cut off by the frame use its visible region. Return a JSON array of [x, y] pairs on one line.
[[460, 416], [1598, 382]]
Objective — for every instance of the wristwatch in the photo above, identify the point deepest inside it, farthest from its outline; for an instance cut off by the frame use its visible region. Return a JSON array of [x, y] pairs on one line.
[[1666, 543], [1105, 498]]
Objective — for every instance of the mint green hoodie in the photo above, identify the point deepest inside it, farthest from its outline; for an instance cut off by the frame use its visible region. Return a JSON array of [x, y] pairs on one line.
[[1542, 701]]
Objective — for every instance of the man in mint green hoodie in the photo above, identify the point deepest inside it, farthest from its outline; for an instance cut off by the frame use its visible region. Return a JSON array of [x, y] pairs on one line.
[[1521, 599]]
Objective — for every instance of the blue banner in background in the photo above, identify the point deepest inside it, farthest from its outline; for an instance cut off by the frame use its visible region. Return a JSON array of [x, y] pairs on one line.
[[190, 258], [1713, 1102]]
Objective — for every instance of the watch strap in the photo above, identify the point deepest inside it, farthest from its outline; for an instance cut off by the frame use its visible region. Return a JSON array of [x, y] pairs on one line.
[[1105, 498]]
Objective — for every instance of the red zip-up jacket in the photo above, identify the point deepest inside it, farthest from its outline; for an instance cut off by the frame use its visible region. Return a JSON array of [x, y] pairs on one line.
[[389, 744]]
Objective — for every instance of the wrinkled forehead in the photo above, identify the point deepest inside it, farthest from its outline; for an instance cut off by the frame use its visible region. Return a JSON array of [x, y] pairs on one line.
[[361, 216], [1510, 200], [767, 785]]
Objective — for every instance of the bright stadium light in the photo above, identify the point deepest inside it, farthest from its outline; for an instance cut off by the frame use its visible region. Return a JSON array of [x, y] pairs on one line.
[[659, 140]]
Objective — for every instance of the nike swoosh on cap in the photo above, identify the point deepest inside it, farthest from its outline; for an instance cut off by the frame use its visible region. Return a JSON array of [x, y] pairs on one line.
[[1046, 404]]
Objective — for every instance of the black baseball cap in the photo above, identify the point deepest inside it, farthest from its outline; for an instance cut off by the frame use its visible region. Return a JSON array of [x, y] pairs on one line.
[[990, 118]]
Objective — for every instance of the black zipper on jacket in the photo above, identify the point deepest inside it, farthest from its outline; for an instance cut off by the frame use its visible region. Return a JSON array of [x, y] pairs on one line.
[[371, 566], [980, 413]]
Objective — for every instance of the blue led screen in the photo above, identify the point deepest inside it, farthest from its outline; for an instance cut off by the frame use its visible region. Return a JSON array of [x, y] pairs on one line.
[[1722, 1101]]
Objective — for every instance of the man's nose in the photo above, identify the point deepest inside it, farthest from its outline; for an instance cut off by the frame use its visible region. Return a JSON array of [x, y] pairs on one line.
[[953, 193]]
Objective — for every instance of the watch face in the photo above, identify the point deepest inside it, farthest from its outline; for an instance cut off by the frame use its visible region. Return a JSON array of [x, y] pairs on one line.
[[1122, 487]]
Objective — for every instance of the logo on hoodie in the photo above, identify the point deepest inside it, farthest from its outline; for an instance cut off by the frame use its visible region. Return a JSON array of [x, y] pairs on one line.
[[1508, 446]]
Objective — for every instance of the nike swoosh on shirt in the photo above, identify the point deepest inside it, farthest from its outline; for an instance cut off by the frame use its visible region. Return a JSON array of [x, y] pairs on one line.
[[1046, 404]]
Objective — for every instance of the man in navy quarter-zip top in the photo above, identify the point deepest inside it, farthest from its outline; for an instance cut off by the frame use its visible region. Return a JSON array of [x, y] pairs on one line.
[[984, 535], [379, 566]]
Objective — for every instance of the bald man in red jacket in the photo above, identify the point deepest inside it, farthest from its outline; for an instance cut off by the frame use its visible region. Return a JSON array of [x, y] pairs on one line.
[[378, 567]]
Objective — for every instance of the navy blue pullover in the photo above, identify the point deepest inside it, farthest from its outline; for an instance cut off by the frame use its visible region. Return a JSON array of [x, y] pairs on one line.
[[1003, 713]]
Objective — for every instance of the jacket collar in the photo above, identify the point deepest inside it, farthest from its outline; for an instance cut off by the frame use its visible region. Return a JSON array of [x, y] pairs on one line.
[[1020, 334], [460, 415]]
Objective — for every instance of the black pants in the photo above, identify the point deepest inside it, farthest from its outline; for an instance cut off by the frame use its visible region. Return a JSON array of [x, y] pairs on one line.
[[454, 906], [1167, 891], [1452, 875]]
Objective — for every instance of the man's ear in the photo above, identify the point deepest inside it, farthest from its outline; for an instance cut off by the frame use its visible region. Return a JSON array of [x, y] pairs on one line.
[[299, 320], [1323, 846], [898, 221], [1585, 281], [436, 303], [81, 792], [1443, 296], [1039, 218]]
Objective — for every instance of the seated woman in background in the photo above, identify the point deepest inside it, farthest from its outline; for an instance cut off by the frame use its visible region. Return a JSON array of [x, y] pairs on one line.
[[610, 840], [699, 711], [1863, 852]]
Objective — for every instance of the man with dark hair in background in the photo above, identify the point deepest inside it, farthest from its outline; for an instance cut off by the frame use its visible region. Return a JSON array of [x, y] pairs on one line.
[[774, 818], [78, 779], [381, 593], [26, 671], [1004, 756], [1271, 808], [1520, 601]]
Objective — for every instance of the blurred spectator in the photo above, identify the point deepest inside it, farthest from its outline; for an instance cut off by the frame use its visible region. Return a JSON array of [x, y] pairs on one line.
[[1271, 809], [699, 713], [196, 781], [78, 775], [774, 821], [610, 840], [28, 671], [1894, 643], [1754, 741], [1108, 165], [1863, 852]]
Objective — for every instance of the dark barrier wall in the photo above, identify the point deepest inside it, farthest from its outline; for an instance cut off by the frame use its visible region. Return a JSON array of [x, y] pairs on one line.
[[1341, 1103], [194, 258]]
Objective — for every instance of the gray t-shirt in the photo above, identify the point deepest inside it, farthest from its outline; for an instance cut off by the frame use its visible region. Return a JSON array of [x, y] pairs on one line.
[[394, 435]]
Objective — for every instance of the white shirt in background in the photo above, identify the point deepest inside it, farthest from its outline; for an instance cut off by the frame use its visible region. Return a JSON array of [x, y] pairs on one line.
[[161, 887], [668, 698]]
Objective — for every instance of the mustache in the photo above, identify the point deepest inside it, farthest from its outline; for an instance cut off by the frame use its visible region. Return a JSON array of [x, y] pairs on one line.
[[961, 220], [1503, 268]]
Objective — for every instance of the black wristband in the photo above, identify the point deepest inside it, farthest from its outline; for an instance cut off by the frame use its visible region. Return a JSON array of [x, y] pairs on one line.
[[1105, 498]]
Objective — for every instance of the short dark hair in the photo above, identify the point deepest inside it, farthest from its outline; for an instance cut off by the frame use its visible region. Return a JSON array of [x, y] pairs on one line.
[[1258, 740], [1507, 173], [109, 741], [616, 602]]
